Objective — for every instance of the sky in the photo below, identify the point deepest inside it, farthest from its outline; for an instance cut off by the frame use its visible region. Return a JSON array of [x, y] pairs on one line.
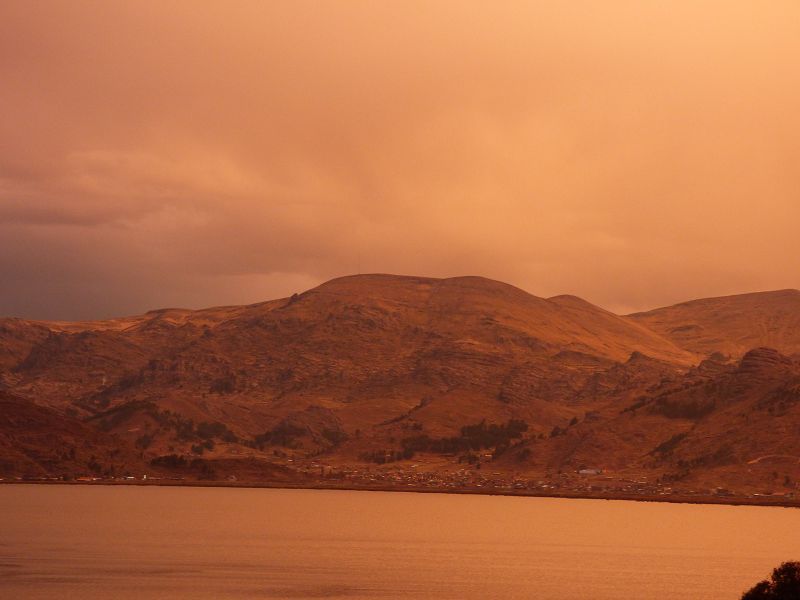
[[198, 153]]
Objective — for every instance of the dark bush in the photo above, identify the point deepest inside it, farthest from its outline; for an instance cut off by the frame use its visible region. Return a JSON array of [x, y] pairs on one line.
[[334, 436], [143, 442], [223, 385], [784, 585], [679, 408], [283, 434], [208, 430], [669, 445]]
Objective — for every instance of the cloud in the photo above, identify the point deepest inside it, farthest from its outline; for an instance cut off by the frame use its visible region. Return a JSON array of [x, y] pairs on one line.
[[191, 154]]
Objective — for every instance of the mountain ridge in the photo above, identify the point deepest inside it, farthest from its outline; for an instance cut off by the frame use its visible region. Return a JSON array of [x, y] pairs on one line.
[[361, 364]]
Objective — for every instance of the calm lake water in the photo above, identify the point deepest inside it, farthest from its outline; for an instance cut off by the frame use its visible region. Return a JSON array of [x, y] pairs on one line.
[[155, 542]]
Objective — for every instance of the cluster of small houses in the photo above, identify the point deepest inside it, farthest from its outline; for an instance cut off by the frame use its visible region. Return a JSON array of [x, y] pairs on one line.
[[463, 478]]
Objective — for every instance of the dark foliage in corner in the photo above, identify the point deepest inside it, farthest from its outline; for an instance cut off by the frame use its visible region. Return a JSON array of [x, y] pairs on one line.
[[784, 585]]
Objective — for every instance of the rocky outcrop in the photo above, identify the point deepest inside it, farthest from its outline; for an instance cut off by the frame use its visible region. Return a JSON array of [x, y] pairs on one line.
[[764, 363]]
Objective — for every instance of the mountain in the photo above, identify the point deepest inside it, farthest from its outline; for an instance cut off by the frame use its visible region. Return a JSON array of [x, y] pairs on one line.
[[369, 371], [368, 347], [731, 324]]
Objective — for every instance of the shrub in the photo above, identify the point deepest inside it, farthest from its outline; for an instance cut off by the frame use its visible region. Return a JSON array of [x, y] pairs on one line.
[[784, 585]]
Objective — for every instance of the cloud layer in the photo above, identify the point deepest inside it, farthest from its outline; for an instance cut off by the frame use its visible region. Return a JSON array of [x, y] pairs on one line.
[[194, 154]]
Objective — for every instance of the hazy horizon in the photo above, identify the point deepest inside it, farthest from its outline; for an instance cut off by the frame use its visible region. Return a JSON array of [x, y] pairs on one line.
[[205, 154], [288, 294]]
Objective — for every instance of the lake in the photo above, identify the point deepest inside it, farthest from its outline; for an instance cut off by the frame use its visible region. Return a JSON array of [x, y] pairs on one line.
[[100, 542]]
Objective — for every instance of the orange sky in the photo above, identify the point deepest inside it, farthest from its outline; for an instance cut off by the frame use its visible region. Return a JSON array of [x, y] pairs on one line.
[[197, 153]]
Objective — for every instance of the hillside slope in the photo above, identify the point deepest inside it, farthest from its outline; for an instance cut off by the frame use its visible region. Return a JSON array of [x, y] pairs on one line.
[[724, 423], [730, 324], [380, 342], [376, 369], [39, 442]]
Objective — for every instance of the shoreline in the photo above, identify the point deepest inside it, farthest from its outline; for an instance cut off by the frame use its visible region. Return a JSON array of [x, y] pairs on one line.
[[671, 499]]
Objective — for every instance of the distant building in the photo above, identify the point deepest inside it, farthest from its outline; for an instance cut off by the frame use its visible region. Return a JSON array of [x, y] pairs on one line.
[[590, 471]]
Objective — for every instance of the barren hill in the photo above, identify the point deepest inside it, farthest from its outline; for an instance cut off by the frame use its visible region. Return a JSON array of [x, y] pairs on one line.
[[376, 369], [381, 341], [730, 324]]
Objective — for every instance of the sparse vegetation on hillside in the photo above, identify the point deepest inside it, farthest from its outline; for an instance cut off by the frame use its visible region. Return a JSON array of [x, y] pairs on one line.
[[669, 445], [381, 367], [472, 438], [283, 434]]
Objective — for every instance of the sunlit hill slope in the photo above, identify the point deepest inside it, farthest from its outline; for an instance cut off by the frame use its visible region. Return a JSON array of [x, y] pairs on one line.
[[360, 365]]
